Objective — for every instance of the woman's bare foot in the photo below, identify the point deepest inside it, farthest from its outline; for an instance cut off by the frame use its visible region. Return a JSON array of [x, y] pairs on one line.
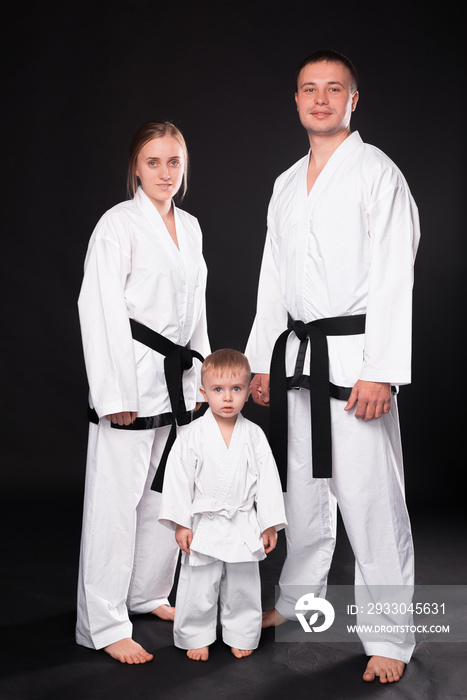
[[165, 612], [127, 651], [198, 654], [272, 618], [388, 670], [240, 653]]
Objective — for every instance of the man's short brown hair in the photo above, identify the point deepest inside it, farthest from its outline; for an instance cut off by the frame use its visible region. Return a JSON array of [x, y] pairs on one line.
[[331, 56]]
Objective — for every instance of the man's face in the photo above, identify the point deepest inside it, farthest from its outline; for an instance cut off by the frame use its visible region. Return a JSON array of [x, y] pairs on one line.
[[325, 98]]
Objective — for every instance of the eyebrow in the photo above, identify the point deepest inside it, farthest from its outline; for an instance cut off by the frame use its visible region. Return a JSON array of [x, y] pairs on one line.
[[156, 158], [213, 386], [330, 82]]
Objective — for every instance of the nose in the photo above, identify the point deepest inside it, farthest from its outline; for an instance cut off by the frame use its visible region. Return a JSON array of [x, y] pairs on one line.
[[321, 97], [165, 175], [228, 396]]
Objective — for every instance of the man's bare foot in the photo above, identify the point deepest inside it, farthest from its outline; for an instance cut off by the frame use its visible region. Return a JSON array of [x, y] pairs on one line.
[[388, 670], [272, 618], [240, 653], [165, 612], [127, 651], [198, 654]]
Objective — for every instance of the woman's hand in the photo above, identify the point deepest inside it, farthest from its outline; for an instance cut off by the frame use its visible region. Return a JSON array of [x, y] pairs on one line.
[[123, 418]]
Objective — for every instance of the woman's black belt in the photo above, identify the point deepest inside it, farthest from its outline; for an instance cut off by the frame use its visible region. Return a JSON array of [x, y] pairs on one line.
[[318, 383], [177, 359]]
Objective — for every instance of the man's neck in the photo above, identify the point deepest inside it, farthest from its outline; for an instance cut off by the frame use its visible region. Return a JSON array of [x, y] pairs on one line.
[[323, 146]]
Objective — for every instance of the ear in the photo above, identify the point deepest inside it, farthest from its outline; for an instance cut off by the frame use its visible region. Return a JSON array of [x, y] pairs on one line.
[[355, 97], [203, 392]]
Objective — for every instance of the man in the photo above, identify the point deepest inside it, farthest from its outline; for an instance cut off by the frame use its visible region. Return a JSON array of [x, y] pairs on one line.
[[342, 237]]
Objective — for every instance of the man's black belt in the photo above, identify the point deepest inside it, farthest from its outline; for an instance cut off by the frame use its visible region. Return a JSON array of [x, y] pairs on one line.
[[318, 383], [177, 360]]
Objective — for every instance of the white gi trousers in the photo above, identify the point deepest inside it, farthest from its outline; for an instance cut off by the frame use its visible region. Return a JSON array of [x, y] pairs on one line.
[[237, 586], [128, 558], [367, 484]]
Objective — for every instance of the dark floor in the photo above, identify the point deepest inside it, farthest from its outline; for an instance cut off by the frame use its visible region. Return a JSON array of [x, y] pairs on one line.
[[40, 660]]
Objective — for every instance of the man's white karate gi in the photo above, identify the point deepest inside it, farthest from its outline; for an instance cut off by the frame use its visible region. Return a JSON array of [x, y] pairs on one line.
[[227, 496], [342, 243], [133, 269]]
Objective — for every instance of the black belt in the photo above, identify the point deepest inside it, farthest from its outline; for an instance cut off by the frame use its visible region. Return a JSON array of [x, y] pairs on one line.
[[177, 360], [318, 382]]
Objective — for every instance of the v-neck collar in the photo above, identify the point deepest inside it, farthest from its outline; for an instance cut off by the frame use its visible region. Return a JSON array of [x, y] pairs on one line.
[[152, 214], [340, 154], [219, 441]]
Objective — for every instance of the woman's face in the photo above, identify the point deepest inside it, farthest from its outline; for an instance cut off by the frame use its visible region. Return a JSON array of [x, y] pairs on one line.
[[160, 167]]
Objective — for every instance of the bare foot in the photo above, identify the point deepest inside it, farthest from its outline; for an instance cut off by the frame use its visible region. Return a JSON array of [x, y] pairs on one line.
[[240, 653], [388, 670], [127, 651], [165, 612], [198, 654], [272, 618]]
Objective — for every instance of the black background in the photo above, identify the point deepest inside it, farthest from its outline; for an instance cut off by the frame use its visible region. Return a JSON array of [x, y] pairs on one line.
[[83, 76], [79, 79]]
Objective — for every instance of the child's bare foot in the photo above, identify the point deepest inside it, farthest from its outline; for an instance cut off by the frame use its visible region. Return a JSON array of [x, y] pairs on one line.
[[198, 654], [240, 653], [388, 670], [165, 612], [127, 651], [272, 618]]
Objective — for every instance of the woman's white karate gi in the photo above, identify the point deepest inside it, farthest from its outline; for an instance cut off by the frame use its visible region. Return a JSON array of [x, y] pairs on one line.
[[135, 268]]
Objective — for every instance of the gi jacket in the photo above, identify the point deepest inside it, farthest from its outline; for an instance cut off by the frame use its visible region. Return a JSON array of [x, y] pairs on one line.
[[133, 269], [228, 496], [346, 248]]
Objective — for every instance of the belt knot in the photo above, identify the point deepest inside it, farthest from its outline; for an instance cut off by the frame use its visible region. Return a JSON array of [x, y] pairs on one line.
[[299, 329]]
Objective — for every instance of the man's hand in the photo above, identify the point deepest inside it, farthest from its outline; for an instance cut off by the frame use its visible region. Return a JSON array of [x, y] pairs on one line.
[[123, 418], [184, 537], [269, 539], [372, 399], [260, 389]]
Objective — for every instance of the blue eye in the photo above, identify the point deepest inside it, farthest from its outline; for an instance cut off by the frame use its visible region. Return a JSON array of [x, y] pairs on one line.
[[237, 388], [218, 389]]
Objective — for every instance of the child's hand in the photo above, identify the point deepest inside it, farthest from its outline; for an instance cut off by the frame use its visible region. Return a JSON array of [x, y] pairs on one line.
[[269, 539], [184, 537]]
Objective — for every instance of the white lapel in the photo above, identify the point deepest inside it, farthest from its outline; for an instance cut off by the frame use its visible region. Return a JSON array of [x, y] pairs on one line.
[[159, 234], [228, 458]]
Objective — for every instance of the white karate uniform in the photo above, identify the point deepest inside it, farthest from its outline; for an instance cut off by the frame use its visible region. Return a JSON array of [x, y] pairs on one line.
[[227, 496], [347, 248], [133, 269]]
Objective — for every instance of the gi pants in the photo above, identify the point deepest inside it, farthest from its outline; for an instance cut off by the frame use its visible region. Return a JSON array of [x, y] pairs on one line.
[[237, 587], [127, 559], [367, 484]]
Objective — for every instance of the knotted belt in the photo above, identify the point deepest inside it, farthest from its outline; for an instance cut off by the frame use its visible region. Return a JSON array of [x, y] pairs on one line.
[[177, 359], [237, 514], [320, 388]]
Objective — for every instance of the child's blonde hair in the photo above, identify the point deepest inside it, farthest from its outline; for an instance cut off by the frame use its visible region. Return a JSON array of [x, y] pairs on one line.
[[228, 360]]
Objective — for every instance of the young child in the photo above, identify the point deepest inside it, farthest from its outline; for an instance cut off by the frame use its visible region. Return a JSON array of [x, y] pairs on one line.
[[223, 498]]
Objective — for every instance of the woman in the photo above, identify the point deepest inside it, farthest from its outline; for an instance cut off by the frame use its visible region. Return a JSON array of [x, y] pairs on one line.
[[141, 304]]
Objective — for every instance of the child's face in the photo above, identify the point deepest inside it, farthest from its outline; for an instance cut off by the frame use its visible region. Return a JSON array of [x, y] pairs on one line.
[[226, 394]]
